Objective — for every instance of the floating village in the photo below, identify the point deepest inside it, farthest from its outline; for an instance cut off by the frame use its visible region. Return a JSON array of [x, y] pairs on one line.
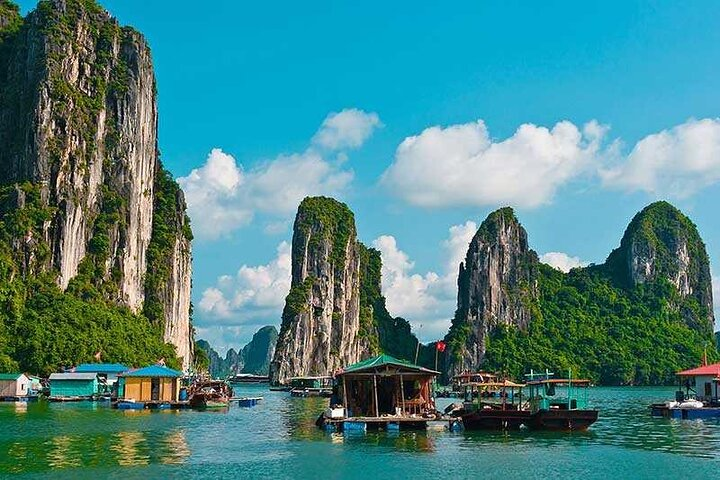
[[380, 393]]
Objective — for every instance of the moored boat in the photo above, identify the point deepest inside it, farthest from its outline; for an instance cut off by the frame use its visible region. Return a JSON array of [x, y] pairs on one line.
[[559, 403], [211, 394], [506, 412]]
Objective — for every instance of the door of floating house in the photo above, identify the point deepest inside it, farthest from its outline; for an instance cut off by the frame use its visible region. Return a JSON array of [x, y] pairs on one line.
[[68, 385], [14, 385], [151, 384]]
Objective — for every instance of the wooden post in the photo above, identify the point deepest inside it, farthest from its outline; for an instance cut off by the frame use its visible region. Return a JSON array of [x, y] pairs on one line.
[[377, 409], [402, 393], [344, 396]]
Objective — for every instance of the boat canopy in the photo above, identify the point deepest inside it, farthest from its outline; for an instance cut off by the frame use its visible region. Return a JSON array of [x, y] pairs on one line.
[[503, 384], [561, 381]]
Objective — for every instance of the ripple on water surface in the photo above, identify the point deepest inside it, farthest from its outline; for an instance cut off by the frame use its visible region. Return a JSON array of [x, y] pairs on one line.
[[279, 438]]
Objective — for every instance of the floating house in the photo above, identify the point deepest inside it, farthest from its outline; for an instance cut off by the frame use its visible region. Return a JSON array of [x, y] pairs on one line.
[[311, 386], [14, 386], [150, 386], [382, 392], [105, 371], [71, 386], [698, 395]]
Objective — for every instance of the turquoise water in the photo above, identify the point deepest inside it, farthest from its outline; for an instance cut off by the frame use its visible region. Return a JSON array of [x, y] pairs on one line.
[[278, 439]]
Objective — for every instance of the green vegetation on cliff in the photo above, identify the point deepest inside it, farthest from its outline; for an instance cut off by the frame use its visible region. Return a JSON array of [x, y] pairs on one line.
[[328, 219], [42, 327], [608, 327]]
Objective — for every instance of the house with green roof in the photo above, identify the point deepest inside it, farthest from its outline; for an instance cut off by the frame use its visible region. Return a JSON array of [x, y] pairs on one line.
[[384, 386], [14, 385]]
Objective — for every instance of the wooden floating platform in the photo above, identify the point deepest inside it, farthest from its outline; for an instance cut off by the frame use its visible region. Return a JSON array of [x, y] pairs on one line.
[[71, 399], [384, 423], [26, 398]]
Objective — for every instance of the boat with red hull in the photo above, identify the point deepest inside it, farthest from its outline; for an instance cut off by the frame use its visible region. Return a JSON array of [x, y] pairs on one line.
[[504, 412], [559, 403]]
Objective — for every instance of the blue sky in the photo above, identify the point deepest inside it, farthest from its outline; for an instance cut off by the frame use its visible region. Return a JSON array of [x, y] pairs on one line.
[[247, 93]]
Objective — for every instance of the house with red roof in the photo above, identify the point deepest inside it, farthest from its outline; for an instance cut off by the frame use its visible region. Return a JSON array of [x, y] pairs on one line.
[[705, 380]]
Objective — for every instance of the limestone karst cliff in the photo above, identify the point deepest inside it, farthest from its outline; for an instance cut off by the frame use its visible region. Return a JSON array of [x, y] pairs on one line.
[[637, 318], [335, 312], [320, 329], [496, 282], [662, 243], [78, 141]]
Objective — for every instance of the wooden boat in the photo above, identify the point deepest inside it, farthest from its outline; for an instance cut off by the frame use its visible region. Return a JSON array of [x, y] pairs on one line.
[[506, 412], [559, 403], [210, 394], [311, 387]]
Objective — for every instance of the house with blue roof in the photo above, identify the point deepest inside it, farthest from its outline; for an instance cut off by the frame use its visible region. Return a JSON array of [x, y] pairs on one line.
[[152, 384], [107, 371]]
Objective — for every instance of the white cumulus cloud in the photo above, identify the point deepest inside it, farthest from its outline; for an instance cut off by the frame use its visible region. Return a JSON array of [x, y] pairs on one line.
[[253, 293], [462, 165], [675, 163], [426, 300], [347, 129], [223, 196], [562, 261]]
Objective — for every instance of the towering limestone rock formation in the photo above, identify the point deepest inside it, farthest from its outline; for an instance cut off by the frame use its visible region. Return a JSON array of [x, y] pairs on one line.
[[257, 355], [335, 312], [496, 285], [78, 140], [320, 330], [663, 244], [637, 318]]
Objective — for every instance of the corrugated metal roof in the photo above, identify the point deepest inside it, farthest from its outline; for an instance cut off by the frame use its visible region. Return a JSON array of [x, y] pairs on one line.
[[10, 376], [73, 376], [713, 369], [101, 367], [154, 371], [384, 359]]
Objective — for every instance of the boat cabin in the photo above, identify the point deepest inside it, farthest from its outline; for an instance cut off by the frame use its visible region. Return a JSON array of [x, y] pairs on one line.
[[384, 385], [701, 382], [459, 381], [153, 384], [14, 385], [557, 393], [505, 394]]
